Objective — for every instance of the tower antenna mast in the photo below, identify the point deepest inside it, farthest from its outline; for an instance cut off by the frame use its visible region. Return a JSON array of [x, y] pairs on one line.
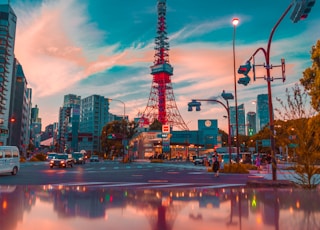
[[161, 104]]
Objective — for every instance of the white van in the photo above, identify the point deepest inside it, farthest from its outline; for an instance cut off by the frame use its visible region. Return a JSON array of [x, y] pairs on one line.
[[9, 159]]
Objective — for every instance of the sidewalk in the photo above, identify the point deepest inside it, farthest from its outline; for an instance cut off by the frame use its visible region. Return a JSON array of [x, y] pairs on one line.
[[285, 178]]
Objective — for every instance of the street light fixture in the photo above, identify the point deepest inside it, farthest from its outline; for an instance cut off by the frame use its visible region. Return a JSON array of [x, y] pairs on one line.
[[235, 22], [226, 96]]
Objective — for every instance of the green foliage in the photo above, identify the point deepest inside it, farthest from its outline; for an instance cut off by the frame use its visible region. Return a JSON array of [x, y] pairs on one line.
[[301, 130], [156, 125], [306, 176], [295, 106], [311, 77], [235, 168], [122, 129]]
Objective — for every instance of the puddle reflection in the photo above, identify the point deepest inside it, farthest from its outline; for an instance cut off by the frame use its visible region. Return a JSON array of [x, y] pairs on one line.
[[94, 207]]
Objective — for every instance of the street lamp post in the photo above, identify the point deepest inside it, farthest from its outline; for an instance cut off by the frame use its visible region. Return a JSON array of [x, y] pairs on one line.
[[123, 123], [235, 22], [301, 11], [226, 96]]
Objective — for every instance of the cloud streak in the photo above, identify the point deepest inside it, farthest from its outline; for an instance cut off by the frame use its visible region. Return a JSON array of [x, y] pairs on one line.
[[62, 51]]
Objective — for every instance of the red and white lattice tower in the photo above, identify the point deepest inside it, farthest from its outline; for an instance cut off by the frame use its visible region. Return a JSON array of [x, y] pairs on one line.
[[161, 104]]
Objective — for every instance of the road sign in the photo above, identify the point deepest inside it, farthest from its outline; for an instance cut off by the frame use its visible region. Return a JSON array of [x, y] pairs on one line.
[[165, 128], [266, 143]]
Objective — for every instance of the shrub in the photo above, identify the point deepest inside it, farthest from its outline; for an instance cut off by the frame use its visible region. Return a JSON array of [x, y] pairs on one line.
[[234, 168], [22, 159], [38, 157], [156, 161], [250, 167]]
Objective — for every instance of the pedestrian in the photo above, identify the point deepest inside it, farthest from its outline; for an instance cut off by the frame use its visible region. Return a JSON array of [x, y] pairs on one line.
[[258, 162], [215, 164]]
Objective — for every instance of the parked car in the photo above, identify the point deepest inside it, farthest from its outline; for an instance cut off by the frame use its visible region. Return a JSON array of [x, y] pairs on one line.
[[94, 158], [78, 158], [62, 161], [200, 160]]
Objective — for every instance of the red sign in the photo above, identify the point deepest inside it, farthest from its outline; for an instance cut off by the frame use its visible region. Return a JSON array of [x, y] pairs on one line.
[[165, 128]]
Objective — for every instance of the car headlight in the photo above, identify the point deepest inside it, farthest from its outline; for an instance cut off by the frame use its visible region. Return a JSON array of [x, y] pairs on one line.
[[80, 159], [62, 162], [51, 162]]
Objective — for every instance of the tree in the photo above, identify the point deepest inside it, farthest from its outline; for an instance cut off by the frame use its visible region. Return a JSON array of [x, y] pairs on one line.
[[156, 125], [224, 137], [113, 134], [311, 77], [302, 131]]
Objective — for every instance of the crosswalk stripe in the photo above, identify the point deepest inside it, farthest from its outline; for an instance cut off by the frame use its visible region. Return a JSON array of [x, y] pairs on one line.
[[146, 185]]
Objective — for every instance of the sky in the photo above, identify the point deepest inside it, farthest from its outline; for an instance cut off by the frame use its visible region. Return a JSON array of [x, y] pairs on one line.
[[106, 47]]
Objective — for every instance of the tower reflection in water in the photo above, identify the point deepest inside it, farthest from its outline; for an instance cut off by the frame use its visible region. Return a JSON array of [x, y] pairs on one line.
[[85, 207]]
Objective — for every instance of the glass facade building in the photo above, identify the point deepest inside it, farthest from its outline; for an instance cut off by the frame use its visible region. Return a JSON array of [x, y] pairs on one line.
[[241, 120], [262, 111], [8, 22], [94, 115], [69, 118]]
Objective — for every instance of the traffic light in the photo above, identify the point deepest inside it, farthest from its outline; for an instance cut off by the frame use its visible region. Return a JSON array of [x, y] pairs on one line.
[[227, 96], [111, 136], [194, 103], [12, 119], [301, 9], [244, 80], [244, 69]]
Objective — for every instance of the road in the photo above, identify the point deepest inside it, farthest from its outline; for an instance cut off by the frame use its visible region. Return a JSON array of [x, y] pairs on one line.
[[117, 174]]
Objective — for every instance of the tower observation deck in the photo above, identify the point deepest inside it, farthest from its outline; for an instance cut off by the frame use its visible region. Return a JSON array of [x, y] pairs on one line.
[[161, 104]]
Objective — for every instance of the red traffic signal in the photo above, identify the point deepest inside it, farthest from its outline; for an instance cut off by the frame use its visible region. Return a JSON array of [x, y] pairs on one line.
[[12, 119], [301, 9], [245, 69]]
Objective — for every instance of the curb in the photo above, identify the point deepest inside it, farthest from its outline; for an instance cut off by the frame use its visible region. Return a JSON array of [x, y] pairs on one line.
[[271, 184]]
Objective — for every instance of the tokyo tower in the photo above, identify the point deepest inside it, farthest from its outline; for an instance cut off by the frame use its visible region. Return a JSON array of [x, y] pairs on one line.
[[161, 104]]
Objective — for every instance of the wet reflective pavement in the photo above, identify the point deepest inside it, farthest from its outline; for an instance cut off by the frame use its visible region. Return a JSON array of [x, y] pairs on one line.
[[157, 207]]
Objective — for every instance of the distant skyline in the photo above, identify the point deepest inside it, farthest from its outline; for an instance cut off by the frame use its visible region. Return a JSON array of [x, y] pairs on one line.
[[106, 47]]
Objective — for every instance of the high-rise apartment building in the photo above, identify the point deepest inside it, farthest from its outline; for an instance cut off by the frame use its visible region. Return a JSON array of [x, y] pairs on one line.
[[8, 22], [35, 127], [20, 107], [69, 117], [262, 111], [241, 120], [94, 116]]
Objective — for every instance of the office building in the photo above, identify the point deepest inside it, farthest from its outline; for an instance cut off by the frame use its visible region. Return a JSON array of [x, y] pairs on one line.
[[94, 115], [8, 21], [241, 120], [20, 107], [35, 127], [262, 111], [69, 118]]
